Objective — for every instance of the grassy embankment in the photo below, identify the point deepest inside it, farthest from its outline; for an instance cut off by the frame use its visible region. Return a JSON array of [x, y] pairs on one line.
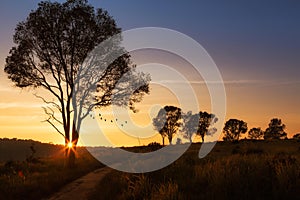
[[38, 177], [244, 170]]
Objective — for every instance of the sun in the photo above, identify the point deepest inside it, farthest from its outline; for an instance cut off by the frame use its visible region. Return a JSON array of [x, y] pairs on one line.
[[70, 145]]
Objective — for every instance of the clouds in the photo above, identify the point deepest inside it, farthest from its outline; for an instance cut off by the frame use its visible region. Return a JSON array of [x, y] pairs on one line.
[[237, 82], [212, 82]]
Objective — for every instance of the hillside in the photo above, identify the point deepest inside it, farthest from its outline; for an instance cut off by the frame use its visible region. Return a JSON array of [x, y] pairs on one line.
[[19, 150]]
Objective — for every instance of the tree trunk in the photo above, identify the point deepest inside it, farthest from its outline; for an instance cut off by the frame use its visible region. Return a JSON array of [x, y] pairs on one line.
[[170, 140], [67, 153], [71, 157], [163, 141], [67, 140], [202, 136]]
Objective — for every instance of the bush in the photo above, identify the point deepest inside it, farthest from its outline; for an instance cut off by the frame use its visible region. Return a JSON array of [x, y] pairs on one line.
[[154, 146]]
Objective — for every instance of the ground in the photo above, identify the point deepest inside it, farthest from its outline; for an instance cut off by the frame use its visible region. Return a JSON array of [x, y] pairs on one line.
[[82, 187]]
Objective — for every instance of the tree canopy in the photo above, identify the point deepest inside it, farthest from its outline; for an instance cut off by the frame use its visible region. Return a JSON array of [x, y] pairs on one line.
[[205, 121], [255, 133], [200, 124], [275, 130], [296, 136], [51, 45], [190, 125], [233, 129], [167, 122]]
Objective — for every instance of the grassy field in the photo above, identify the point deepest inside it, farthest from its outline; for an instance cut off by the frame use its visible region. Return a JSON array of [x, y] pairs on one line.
[[244, 170], [37, 178]]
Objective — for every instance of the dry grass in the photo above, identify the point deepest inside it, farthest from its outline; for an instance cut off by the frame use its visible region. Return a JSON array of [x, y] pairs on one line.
[[37, 180], [245, 170]]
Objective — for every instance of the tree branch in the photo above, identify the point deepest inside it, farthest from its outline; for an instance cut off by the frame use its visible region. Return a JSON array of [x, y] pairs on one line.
[[51, 115], [49, 102], [48, 120]]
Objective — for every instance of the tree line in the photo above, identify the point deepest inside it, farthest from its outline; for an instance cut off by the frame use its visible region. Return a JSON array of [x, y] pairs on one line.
[[170, 120]]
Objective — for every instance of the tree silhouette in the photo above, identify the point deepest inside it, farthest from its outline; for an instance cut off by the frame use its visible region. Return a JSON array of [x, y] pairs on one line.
[[255, 133], [167, 122], [205, 121], [233, 129], [296, 136], [51, 45], [199, 124], [190, 125], [275, 130]]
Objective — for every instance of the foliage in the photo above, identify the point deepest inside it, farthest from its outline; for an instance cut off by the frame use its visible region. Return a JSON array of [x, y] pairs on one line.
[[255, 133], [296, 136], [205, 121], [154, 146], [275, 130], [51, 45], [199, 124], [190, 125], [233, 129], [167, 122]]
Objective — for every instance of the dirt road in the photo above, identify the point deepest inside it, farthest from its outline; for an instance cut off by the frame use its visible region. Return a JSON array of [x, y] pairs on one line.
[[82, 187]]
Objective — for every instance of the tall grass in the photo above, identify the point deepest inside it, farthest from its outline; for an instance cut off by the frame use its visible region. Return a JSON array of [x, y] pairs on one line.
[[25, 180], [257, 170]]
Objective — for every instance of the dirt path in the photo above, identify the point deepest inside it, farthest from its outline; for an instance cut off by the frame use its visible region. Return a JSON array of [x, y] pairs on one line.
[[82, 187]]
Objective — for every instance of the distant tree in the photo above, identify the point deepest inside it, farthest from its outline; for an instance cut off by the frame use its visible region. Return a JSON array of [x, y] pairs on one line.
[[167, 122], [178, 141], [190, 125], [199, 124], [296, 136], [275, 130], [206, 120], [154, 146], [51, 46], [233, 129], [256, 133]]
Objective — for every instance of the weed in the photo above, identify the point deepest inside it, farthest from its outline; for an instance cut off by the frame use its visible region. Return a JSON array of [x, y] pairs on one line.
[[248, 170]]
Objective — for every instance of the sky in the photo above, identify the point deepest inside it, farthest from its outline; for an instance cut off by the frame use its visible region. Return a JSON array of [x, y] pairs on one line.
[[255, 45]]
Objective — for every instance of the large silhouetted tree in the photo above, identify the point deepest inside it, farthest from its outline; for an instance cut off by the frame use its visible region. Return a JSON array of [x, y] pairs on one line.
[[167, 122], [200, 124], [275, 130], [233, 129], [255, 133], [51, 45]]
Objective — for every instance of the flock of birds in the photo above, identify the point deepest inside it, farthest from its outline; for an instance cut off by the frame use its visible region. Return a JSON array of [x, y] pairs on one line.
[[102, 118], [116, 120]]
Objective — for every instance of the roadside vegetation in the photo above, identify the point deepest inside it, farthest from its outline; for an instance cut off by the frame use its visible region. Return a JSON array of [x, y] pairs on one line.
[[38, 177], [249, 169]]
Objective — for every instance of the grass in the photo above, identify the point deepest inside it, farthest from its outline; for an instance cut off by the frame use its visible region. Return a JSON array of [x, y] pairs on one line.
[[244, 170], [43, 177]]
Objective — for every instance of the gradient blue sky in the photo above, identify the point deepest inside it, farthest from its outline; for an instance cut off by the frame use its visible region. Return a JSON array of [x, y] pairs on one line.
[[255, 44]]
